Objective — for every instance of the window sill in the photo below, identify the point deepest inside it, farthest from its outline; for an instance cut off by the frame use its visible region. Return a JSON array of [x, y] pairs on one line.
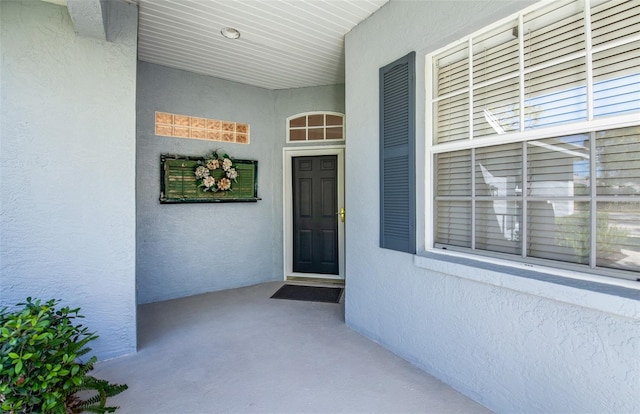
[[586, 291]]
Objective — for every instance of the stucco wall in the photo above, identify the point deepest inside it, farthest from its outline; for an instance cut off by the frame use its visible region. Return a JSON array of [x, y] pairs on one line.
[[67, 212], [186, 249], [515, 343]]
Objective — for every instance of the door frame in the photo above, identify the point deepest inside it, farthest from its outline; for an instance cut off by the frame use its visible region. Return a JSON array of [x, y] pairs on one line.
[[288, 154]]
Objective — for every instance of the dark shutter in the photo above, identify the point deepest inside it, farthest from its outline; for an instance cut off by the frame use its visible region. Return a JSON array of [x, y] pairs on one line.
[[397, 155]]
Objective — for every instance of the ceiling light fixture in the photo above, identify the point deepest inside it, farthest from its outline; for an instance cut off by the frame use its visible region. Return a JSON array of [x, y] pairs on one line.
[[230, 33]]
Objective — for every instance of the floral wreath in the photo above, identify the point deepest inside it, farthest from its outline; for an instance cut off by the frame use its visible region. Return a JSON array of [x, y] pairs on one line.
[[205, 173]]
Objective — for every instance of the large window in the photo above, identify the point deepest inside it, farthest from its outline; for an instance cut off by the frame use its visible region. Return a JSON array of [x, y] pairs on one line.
[[535, 140]]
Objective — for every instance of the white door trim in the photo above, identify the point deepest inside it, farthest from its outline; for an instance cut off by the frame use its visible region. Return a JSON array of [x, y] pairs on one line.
[[287, 155]]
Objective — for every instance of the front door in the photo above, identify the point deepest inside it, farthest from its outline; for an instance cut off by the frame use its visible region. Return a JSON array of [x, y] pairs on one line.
[[315, 214]]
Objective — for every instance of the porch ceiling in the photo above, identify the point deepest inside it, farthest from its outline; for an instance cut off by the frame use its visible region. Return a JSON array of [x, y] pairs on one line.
[[283, 43]]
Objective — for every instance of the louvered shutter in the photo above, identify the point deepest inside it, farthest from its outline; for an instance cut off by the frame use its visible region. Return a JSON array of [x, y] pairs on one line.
[[397, 155]]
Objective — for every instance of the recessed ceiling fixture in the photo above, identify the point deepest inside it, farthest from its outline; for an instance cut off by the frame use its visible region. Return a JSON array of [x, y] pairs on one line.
[[230, 33]]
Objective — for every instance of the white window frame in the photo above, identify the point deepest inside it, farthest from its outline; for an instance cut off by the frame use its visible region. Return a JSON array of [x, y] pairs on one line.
[[431, 149]]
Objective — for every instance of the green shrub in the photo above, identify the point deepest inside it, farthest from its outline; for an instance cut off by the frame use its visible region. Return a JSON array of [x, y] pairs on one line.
[[40, 366]]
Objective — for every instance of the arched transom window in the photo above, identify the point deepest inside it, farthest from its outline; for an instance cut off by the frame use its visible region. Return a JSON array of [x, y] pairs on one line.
[[315, 126]]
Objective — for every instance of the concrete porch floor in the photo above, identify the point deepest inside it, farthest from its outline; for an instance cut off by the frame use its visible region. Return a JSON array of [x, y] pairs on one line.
[[238, 351]]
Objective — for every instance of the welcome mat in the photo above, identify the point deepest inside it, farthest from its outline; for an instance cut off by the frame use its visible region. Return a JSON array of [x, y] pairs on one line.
[[309, 293]]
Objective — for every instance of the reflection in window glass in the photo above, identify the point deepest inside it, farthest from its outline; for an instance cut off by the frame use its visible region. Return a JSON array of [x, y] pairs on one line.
[[618, 235], [498, 175], [558, 167], [498, 225], [496, 108], [618, 158], [556, 95], [616, 80], [499, 170], [559, 230]]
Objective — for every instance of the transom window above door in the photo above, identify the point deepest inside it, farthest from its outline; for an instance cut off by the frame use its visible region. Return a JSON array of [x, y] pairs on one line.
[[315, 126]]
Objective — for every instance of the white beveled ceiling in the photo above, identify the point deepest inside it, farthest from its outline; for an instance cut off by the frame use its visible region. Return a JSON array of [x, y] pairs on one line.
[[283, 43]]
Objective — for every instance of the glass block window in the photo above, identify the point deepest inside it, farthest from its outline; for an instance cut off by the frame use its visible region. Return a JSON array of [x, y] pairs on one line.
[[192, 127], [315, 126]]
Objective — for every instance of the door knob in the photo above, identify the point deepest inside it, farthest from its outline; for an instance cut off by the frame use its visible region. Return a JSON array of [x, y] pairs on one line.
[[342, 214]]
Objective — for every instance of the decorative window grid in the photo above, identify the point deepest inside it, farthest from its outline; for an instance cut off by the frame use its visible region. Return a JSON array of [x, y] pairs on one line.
[[315, 126], [558, 181], [185, 126]]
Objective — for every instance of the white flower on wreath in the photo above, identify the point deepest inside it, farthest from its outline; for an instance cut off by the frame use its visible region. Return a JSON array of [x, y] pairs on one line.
[[224, 184], [226, 164], [202, 172], [232, 174], [213, 164], [208, 182]]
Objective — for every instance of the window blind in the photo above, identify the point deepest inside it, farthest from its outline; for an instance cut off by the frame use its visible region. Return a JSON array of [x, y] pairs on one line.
[[452, 73], [615, 20], [553, 32], [453, 172], [453, 223], [496, 54], [453, 118], [453, 198], [571, 199]]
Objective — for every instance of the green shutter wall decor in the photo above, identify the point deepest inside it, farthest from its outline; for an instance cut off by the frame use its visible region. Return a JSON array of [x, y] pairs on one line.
[[178, 181], [397, 155]]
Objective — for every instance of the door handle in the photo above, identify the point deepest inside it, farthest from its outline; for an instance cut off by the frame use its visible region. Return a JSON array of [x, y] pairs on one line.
[[342, 214]]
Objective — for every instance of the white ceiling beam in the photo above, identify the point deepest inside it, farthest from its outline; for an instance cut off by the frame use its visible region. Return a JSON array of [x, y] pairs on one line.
[[89, 18]]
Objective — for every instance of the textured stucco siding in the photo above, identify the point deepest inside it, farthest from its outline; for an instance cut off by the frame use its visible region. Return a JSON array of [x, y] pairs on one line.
[[67, 212], [511, 349], [187, 249]]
